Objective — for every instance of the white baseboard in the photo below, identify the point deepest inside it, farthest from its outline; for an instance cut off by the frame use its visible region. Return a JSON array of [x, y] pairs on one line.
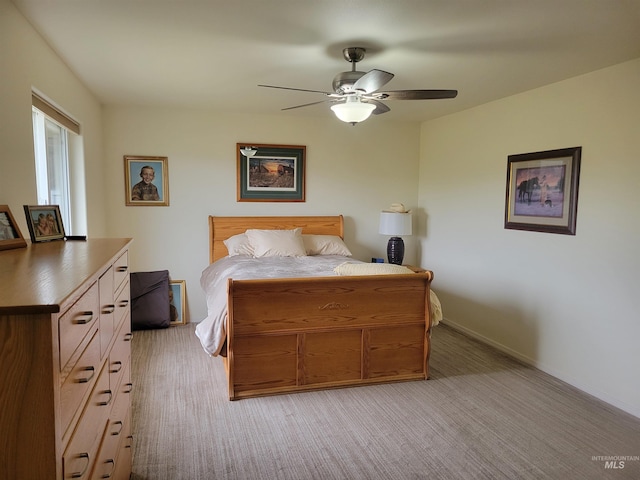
[[635, 411]]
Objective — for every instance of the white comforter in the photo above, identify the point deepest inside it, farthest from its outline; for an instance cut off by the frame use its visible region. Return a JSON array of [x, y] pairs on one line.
[[212, 330]]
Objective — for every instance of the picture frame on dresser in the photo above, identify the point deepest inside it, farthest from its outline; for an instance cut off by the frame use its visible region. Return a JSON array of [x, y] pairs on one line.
[[177, 300], [44, 223], [10, 235]]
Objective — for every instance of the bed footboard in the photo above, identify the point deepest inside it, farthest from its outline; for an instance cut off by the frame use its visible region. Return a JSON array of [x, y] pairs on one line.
[[287, 335]]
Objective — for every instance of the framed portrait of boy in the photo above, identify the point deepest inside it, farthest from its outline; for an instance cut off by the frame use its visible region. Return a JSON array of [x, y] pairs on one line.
[[146, 181], [10, 236], [44, 222]]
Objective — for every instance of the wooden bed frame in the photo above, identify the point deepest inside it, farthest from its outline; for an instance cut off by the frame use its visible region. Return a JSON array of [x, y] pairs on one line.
[[300, 334]]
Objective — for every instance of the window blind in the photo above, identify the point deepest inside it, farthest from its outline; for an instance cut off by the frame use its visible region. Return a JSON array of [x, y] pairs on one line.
[[55, 113]]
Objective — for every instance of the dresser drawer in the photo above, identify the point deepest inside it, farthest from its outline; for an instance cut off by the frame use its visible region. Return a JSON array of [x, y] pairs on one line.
[[125, 455], [81, 452], [81, 379], [121, 270], [117, 433], [77, 322], [122, 303], [120, 356], [122, 406], [107, 311], [123, 396], [114, 458]]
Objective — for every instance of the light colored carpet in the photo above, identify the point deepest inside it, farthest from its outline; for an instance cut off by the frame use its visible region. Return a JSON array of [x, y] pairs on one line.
[[482, 415]]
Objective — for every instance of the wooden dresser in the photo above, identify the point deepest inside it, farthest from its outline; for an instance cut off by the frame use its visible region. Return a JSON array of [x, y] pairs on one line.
[[65, 355]]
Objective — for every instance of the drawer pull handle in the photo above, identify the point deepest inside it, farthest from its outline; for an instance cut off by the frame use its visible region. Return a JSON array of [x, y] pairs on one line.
[[117, 366], [119, 424], [84, 470], [129, 387], [109, 309], [113, 467], [128, 337], [87, 379], [123, 303], [84, 318], [106, 392], [130, 438], [122, 268]]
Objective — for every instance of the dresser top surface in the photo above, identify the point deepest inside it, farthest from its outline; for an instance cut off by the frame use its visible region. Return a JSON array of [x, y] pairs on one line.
[[42, 276]]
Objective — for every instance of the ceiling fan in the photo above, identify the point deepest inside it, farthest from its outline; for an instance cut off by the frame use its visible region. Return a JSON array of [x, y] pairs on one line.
[[356, 95]]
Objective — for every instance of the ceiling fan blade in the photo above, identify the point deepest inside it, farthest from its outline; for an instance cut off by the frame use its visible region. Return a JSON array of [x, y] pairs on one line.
[[296, 89], [372, 80], [380, 107], [416, 94], [305, 105]]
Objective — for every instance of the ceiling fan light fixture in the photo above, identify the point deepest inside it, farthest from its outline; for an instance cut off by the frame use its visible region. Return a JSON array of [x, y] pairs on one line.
[[353, 110], [350, 88]]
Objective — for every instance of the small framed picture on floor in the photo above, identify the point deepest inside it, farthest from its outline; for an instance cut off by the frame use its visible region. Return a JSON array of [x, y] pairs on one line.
[[177, 302]]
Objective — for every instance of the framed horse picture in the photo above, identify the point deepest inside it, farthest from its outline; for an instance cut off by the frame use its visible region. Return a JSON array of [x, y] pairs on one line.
[[542, 191]]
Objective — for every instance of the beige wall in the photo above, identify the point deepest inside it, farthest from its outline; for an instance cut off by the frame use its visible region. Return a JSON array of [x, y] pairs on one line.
[[26, 63], [564, 303], [353, 171]]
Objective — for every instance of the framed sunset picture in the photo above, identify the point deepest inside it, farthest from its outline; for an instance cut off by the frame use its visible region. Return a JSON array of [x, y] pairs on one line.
[[271, 173]]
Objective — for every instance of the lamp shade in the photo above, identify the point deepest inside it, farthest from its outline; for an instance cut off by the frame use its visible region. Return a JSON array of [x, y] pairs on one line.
[[395, 224], [353, 110]]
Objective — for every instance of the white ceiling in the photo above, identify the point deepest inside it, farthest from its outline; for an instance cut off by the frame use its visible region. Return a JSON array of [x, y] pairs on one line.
[[214, 53]]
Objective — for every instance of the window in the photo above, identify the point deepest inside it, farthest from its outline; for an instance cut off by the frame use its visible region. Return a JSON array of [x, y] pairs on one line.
[[52, 137]]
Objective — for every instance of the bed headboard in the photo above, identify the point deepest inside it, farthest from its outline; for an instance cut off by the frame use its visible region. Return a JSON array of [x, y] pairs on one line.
[[221, 228]]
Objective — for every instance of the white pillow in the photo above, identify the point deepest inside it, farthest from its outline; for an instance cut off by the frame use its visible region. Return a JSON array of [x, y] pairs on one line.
[[325, 245], [238, 245], [276, 243]]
